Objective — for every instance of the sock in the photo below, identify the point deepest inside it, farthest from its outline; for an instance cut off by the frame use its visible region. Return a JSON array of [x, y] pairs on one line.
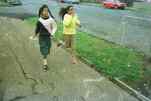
[[45, 61]]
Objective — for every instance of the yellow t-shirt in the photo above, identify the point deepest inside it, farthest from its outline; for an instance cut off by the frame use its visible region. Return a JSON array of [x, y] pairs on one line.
[[70, 24]]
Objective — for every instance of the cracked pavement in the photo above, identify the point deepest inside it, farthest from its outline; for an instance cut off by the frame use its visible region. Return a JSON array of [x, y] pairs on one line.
[[22, 77]]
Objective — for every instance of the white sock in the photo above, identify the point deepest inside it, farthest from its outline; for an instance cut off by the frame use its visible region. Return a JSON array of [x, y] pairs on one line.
[[45, 61]]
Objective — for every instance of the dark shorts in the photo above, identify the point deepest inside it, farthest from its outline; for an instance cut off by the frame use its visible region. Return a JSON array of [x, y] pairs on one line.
[[45, 45]]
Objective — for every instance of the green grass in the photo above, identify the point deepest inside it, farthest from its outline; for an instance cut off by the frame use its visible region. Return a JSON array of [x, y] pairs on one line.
[[111, 59]]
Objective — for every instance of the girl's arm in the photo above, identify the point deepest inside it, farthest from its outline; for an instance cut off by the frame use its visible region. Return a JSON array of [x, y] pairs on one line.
[[37, 30], [54, 27], [67, 20], [78, 21]]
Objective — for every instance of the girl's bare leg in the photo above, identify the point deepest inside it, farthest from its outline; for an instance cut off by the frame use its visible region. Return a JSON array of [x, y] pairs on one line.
[[74, 59]]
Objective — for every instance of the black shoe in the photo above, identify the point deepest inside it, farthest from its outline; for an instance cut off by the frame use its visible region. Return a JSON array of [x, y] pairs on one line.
[[45, 68]]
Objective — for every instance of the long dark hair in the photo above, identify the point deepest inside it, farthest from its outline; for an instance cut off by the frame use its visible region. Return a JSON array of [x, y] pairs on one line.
[[42, 8], [64, 10]]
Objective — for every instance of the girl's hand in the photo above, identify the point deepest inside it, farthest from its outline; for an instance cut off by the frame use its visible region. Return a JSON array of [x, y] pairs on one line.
[[52, 36], [73, 14], [79, 25], [33, 37]]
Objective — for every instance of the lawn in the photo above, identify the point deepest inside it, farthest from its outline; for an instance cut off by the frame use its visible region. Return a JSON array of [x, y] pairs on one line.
[[110, 59]]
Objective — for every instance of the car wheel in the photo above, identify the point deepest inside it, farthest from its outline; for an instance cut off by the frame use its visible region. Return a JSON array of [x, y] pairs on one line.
[[104, 5], [115, 7], [122, 8]]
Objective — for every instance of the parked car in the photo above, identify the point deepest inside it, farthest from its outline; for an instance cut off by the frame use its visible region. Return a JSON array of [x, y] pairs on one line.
[[14, 2], [70, 1], [114, 4]]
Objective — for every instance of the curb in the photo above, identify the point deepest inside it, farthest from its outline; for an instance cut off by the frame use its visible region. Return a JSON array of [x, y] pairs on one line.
[[119, 83], [130, 90]]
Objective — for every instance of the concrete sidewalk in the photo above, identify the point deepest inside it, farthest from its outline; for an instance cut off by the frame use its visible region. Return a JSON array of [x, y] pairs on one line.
[[22, 77]]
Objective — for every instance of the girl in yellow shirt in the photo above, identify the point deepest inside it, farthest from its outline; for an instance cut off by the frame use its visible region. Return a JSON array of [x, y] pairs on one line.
[[70, 23]]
